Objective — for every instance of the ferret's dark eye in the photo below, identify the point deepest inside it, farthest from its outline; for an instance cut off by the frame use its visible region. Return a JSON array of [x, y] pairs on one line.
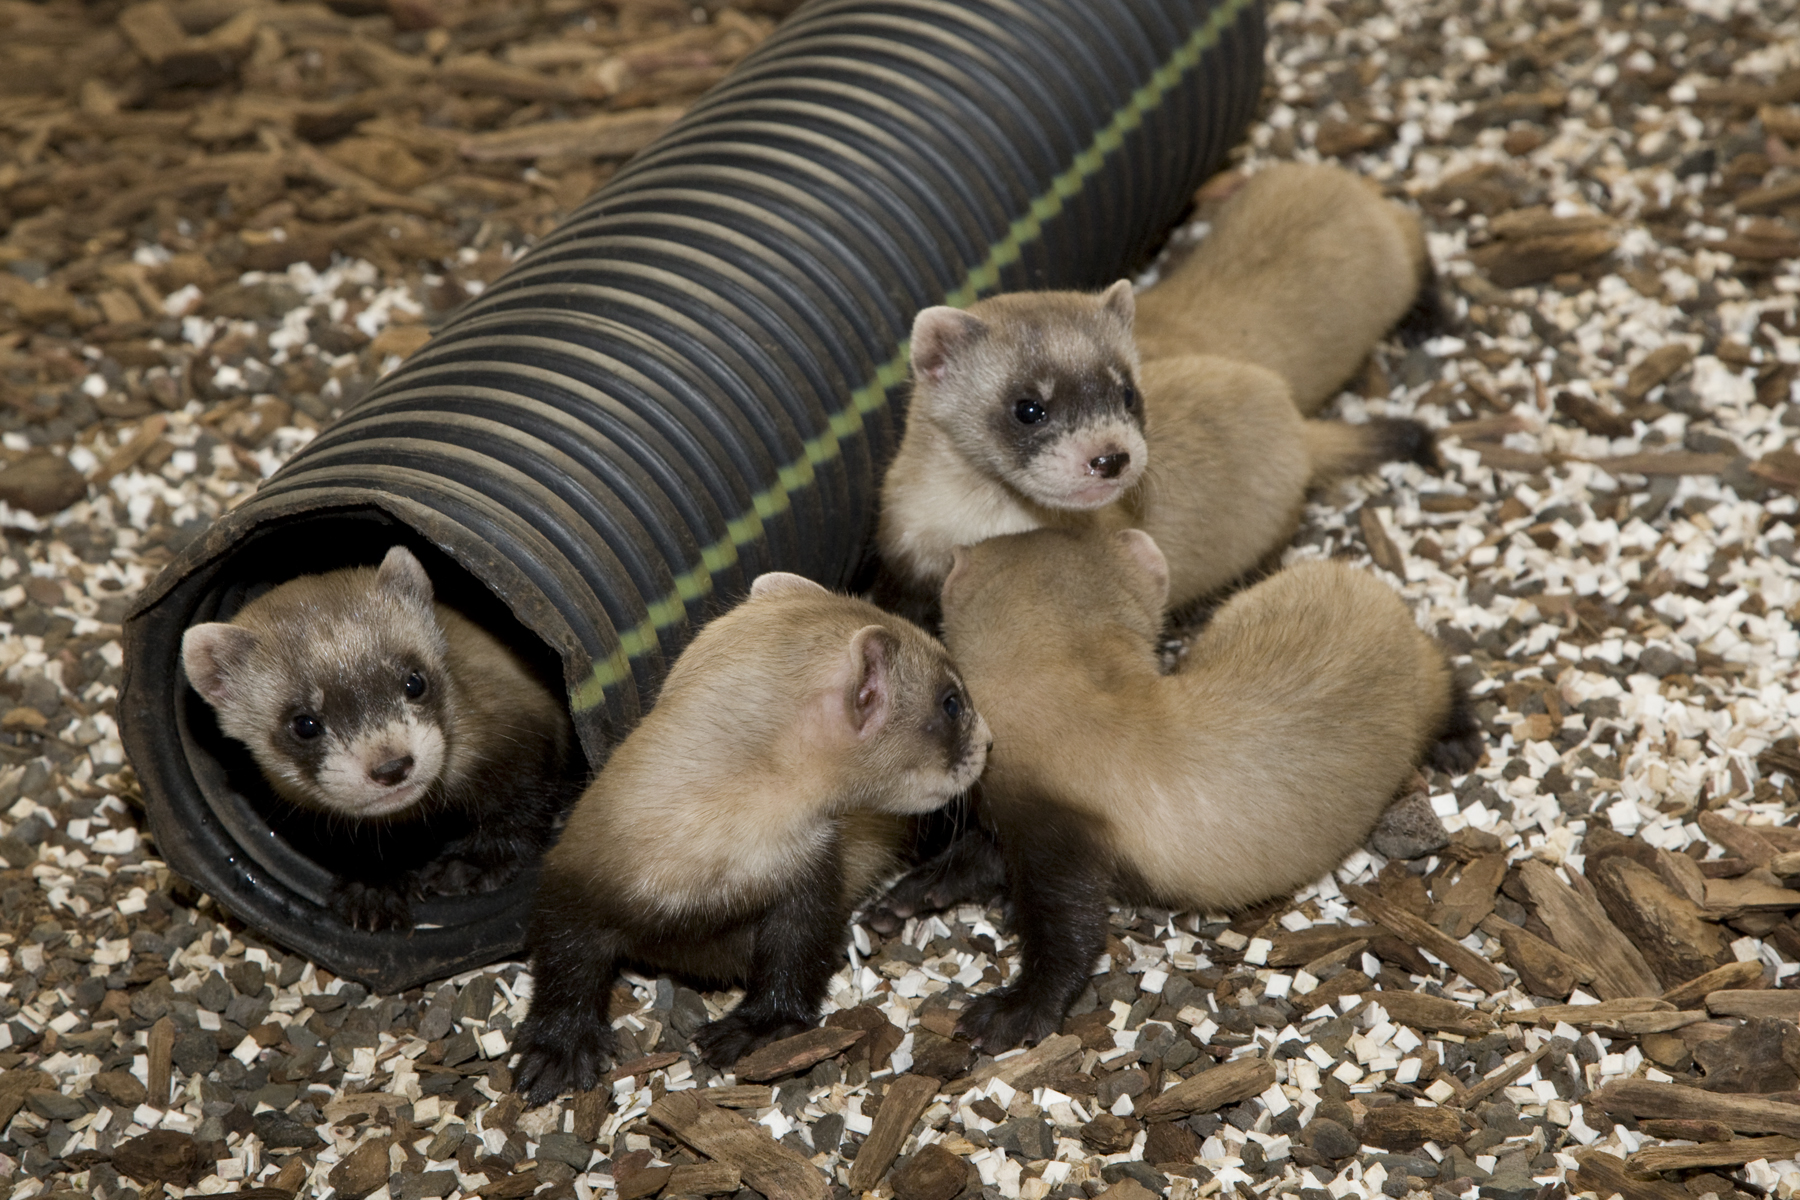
[[415, 686], [952, 705], [306, 727], [1030, 412], [1130, 395]]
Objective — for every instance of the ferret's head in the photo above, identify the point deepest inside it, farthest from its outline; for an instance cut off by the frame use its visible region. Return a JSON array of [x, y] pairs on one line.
[[338, 685], [1040, 389], [891, 702], [1056, 584]]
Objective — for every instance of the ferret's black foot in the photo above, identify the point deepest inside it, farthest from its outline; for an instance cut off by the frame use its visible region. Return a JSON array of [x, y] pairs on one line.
[[969, 871], [1006, 1018], [461, 877], [1429, 316], [1460, 743], [372, 907], [724, 1041], [558, 1055]]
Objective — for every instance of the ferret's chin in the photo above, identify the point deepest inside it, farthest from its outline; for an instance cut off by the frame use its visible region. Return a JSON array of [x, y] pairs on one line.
[[1097, 494], [928, 795], [391, 801]]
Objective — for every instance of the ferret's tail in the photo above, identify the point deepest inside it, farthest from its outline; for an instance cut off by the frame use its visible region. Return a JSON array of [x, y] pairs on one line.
[[1335, 449]]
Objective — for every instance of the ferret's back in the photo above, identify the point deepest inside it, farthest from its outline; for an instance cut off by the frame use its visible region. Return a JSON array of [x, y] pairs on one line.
[[1306, 268]]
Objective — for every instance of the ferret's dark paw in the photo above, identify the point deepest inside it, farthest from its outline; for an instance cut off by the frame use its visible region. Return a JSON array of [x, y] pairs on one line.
[[371, 907], [1461, 742], [969, 872], [888, 915], [724, 1041], [1001, 1020], [560, 1059], [460, 877], [1459, 753], [1430, 315]]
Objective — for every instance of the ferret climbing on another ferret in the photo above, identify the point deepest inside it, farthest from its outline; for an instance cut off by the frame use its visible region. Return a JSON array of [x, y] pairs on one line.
[[730, 835], [1299, 713], [1304, 270], [1031, 410], [361, 697]]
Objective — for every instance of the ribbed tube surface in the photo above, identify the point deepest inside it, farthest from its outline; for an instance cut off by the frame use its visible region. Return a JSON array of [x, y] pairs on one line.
[[696, 378]]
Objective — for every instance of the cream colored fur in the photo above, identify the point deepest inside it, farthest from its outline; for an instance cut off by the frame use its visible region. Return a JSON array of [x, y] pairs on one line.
[[1300, 710], [350, 627], [1304, 271], [750, 763]]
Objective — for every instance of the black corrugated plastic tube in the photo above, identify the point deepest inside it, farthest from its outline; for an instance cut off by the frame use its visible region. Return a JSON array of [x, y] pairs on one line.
[[696, 378]]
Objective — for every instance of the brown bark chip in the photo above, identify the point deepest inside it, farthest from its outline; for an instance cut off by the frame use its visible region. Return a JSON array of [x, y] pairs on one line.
[[1730, 977], [1656, 367], [1746, 1114], [1408, 1126], [363, 1170], [1474, 968], [41, 483], [161, 1050], [933, 1173], [1422, 1011], [161, 1156], [1668, 928], [1581, 929], [725, 1136], [1607, 1174], [1519, 261], [703, 1179], [1732, 1153], [906, 1098], [796, 1053], [1543, 969], [1227, 1083]]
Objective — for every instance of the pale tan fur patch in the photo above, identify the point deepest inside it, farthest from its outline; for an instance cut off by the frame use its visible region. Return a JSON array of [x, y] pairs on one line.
[[1300, 711], [750, 764], [1306, 268], [344, 626]]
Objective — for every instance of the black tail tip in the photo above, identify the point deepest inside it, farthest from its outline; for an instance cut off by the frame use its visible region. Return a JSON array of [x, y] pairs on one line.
[[1460, 742], [1402, 439]]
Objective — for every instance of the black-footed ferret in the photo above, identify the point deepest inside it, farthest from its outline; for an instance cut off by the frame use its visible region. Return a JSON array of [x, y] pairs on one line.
[[1299, 713], [731, 834], [1030, 410], [1305, 270], [361, 697]]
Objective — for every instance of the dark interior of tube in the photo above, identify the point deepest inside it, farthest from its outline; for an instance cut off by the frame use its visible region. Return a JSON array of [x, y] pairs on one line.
[[300, 848]]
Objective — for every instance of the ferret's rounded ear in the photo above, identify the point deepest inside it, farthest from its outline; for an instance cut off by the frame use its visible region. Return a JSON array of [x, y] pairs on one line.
[[870, 700], [959, 559], [1120, 301], [211, 654], [776, 583], [403, 574], [1148, 555], [938, 334]]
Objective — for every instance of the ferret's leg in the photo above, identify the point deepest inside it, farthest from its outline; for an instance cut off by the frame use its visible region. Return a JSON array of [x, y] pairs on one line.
[[969, 870], [511, 826], [799, 943], [1460, 743], [1057, 880], [566, 1039], [375, 905]]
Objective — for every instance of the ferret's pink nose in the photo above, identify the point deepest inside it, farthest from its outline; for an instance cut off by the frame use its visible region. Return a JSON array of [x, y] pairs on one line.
[[1108, 466], [393, 771]]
